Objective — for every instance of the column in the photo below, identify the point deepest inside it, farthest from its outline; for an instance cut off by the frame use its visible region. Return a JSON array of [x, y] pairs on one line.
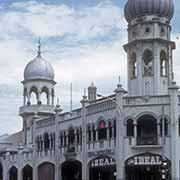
[[84, 103], [135, 132], [39, 98], [19, 174], [158, 131], [56, 172], [96, 129], [48, 99], [24, 100], [28, 99], [35, 173], [119, 132], [52, 100]]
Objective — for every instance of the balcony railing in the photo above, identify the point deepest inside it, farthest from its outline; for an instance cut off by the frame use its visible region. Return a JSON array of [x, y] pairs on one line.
[[150, 140]]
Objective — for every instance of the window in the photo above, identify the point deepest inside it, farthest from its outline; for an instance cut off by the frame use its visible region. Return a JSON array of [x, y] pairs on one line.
[[61, 139], [102, 130], [78, 138], [114, 126], [71, 136], [46, 141], [163, 63], [162, 31], [147, 30], [133, 66], [89, 133], [165, 127], [130, 128], [94, 133], [147, 63], [110, 130]]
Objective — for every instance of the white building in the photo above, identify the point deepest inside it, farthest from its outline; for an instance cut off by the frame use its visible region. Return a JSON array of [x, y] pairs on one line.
[[132, 135]]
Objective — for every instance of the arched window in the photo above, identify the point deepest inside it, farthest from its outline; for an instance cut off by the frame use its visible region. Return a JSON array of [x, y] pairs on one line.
[[89, 133], [147, 130], [102, 130], [114, 126], [38, 143], [133, 66], [147, 63], [163, 63], [13, 173], [27, 173], [33, 96], [71, 136], [130, 128], [46, 141], [61, 139], [44, 95]]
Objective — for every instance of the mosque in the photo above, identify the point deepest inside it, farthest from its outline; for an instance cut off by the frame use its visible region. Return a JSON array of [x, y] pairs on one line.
[[129, 135]]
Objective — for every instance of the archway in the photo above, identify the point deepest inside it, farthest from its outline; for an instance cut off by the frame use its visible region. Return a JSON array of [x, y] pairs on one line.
[[46, 171], [102, 168], [147, 166], [27, 173], [71, 170], [13, 173]]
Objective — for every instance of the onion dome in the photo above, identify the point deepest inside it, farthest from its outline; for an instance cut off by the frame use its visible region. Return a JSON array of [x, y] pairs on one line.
[[136, 8], [39, 68]]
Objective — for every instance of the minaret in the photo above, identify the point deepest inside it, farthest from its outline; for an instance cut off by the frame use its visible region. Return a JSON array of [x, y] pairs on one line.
[[149, 48], [38, 93]]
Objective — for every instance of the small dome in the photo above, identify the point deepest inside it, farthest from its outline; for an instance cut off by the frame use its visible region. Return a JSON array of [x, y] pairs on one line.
[[134, 8], [39, 68]]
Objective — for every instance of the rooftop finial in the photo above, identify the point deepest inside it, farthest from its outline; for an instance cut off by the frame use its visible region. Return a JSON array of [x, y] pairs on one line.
[[119, 79], [39, 47]]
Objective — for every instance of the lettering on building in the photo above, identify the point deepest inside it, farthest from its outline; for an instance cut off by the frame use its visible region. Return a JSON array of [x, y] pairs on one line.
[[103, 161]]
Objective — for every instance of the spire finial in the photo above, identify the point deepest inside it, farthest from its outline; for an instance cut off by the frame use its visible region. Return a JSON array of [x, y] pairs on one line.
[[119, 79], [119, 82], [39, 47]]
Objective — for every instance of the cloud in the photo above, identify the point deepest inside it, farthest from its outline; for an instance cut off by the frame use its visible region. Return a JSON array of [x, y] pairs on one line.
[[83, 44]]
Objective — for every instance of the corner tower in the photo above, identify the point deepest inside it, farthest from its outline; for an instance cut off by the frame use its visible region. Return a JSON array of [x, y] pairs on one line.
[[149, 48], [38, 93]]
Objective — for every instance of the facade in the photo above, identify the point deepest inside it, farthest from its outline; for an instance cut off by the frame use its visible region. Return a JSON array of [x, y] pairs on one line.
[[132, 135]]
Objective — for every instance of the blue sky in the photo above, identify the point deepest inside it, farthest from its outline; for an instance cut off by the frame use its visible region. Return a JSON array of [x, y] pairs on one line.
[[81, 38]]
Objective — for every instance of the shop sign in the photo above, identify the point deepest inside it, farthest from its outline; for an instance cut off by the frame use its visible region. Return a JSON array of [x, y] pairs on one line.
[[145, 160], [102, 161]]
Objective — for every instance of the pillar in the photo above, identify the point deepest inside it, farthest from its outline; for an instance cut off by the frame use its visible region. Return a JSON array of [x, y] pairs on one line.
[[119, 150], [135, 133], [84, 103]]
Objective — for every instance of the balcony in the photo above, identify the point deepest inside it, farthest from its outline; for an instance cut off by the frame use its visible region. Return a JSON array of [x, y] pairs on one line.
[[151, 140]]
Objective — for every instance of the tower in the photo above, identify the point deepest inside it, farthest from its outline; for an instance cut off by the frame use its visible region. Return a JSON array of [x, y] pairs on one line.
[[149, 48], [92, 91], [38, 94]]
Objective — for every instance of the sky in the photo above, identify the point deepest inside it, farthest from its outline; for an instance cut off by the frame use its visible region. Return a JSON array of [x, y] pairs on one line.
[[82, 39]]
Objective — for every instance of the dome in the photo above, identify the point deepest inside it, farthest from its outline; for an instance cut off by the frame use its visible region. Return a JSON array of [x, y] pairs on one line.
[[134, 8], [39, 68]]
